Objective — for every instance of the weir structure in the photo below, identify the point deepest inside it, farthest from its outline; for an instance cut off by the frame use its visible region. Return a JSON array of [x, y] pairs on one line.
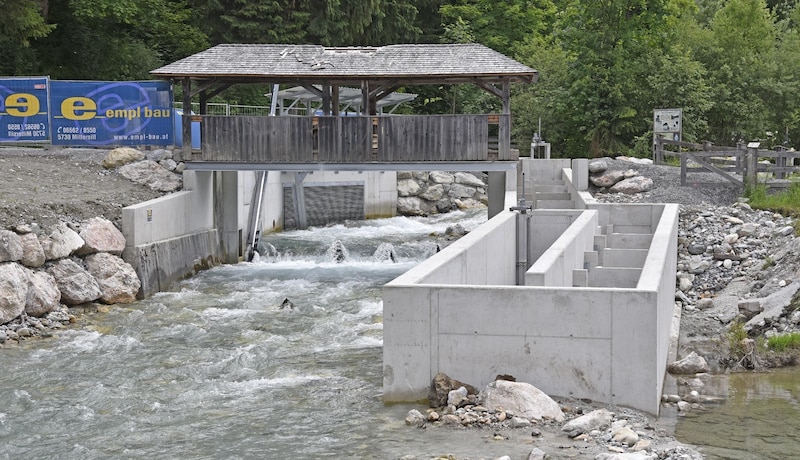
[[590, 314], [173, 236]]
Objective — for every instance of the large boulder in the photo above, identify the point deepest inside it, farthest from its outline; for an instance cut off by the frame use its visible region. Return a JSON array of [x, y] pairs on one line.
[[691, 364], [632, 185], [32, 251], [408, 187], [523, 399], [441, 177], [121, 156], [100, 235], [468, 179], [10, 246], [410, 206], [117, 279], [77, 286], [43, 294], [13, 290], [152, 175], [607, 179], [62, 242]]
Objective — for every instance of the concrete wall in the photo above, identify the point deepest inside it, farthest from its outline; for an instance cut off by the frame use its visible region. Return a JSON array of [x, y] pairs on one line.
[[608, 344], [173, 236], [484, 256], [556, 264]]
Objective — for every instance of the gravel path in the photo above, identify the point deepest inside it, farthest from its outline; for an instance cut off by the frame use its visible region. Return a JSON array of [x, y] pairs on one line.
[[51, 185]]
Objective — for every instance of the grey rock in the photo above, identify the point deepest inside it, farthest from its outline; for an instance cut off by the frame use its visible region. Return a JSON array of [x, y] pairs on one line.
[[408, 187], [10, 246], [62, 242], [523, 399], [468, 179], [116, 278], [595, 420], [32, 251], [13, 290], [100, 235], [77, 286], [441, 177], [597, 166], [43, 294], [153, 175], [607, 179], [433, 193], [691, 364]]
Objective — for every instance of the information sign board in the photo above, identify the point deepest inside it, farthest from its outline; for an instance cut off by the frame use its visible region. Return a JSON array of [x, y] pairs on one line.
[[111, 113], [24, 110]]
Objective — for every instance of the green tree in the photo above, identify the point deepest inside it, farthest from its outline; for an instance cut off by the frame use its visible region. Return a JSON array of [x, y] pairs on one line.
[[116, 39], [742, 63], [500, 25], [613, 46], [362, 22], [23, 21]]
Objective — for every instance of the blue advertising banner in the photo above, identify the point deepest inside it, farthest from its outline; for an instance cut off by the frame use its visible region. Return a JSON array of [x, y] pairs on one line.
[[23, 110], [111, 113]]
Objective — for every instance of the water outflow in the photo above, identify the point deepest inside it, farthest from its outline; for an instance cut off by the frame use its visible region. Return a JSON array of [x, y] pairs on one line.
[[276, 358]]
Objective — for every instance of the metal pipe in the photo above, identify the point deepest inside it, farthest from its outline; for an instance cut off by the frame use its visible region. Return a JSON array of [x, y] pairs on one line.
[[522, 235]]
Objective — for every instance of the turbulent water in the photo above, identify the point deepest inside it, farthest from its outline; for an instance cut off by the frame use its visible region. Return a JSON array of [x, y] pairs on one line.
[[278, 358]]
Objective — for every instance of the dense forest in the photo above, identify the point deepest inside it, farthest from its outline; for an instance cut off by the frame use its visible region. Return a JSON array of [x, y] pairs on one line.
[[733, 66]]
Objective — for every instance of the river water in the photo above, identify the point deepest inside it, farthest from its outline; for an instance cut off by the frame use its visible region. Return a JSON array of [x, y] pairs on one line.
[[758, 419], [215, 368]]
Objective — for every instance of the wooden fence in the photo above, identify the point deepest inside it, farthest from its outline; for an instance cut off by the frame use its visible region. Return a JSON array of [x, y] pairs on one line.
[[739, 165], [356, 139]]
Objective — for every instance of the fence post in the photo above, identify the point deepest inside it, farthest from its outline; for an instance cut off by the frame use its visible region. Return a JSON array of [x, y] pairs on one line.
[[751, 174], [658, 153], [683, 158]]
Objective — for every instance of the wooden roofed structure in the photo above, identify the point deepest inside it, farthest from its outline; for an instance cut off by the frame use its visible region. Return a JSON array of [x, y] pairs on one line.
[[330, 141]]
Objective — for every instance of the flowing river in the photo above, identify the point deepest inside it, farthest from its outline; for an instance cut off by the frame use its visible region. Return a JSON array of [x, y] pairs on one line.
[[281, 358], [215, 368]]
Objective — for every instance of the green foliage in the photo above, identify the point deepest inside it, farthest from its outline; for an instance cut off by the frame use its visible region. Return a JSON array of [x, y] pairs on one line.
[[737, 340], [500, 25], [115, 40], [786, 202], [784, 342], [22, 22]]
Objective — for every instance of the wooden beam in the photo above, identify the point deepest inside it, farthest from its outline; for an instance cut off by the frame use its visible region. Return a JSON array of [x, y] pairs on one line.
[[489, 88], [326, 99], [186, 149]]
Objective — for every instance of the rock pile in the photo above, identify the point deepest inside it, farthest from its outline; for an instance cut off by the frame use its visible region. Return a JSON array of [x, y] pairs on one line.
[[737, 263], [423, 193], [507, 406], [44, 272], [72, 265], [608, 180]]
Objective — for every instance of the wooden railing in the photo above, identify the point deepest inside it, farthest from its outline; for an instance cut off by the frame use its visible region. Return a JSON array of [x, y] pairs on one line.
[[354, 139], [739, 165]]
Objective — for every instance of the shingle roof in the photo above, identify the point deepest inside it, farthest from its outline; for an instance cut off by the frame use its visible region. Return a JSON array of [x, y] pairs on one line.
[[431, 62]]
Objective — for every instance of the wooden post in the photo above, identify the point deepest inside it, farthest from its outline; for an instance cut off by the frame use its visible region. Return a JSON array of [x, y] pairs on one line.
[[186, 149], [683, 158], [326, 99], [751, 174], [504, 130]]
